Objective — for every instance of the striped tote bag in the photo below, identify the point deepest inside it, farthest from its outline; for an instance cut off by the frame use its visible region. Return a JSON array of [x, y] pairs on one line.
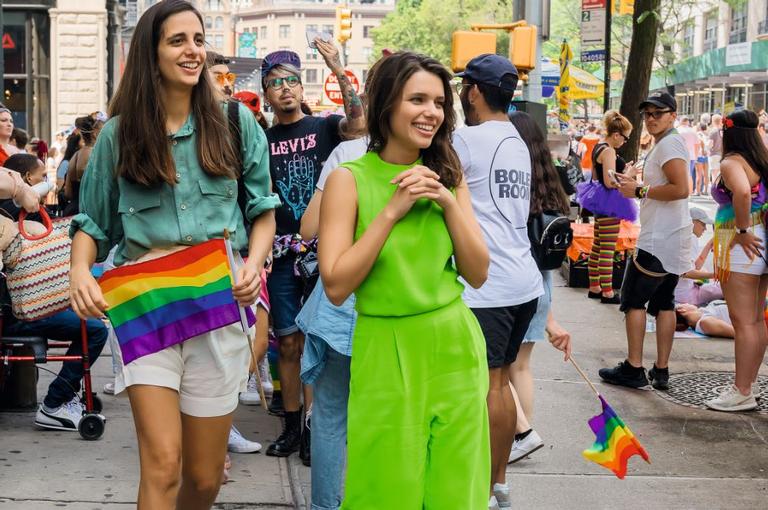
[[38, 283]]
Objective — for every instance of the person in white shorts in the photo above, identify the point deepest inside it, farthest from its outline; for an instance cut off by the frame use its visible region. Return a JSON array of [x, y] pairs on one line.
[[740, 251], [163, 176]]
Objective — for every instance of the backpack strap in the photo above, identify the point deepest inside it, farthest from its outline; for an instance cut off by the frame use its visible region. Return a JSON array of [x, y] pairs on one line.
[[233, 116]]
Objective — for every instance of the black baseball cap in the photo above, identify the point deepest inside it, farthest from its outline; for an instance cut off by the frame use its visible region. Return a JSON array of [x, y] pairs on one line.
[[490, 69], [660, 100]]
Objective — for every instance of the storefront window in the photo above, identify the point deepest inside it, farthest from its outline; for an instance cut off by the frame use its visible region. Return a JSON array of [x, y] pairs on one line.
[[26, 87], [14, 44], [15, 99]]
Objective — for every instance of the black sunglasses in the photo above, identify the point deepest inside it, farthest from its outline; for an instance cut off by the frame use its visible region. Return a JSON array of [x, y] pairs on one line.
[[656, 115]]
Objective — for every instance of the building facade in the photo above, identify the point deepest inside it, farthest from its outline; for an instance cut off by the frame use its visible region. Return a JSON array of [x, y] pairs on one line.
[[61, 61], [263, 26], [721, 57]]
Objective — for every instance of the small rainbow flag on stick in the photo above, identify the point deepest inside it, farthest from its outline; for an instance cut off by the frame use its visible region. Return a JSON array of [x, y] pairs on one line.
[[614, 443], [165, 301]]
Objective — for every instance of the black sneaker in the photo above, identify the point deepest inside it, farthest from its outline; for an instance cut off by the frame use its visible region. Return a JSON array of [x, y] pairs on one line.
[[624, 374], [659, 378]]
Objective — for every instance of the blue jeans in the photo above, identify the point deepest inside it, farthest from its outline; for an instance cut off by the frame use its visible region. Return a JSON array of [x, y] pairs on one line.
[[64, 327], [329, 431], [285, 292]]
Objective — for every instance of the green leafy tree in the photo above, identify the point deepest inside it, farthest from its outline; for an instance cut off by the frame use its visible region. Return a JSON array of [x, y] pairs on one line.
[[425, 25]]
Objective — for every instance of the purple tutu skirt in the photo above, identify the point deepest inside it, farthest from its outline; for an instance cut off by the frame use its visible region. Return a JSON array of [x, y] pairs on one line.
[[606, 202]]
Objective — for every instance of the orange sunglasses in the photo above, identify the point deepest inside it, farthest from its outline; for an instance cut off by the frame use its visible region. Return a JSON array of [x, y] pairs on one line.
[[226, 78]]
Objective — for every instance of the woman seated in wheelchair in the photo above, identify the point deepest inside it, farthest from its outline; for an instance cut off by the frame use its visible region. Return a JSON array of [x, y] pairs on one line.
[[61, 408]]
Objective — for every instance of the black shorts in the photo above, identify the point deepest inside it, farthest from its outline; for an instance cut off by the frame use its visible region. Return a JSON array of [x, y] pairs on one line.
[[639, 288], [504, 329]]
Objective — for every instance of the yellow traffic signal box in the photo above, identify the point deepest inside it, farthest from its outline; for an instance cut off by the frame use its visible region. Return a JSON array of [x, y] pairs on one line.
[[623, 7], [343, 24], [522, 47], [466, 45]]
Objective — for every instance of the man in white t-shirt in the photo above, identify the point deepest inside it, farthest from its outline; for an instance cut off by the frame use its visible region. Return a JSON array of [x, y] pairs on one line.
[[663, 248], [497, 167]]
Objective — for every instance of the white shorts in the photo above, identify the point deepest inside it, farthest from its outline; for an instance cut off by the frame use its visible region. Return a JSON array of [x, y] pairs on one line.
[[714, 162], [740, 263], [208, 371]]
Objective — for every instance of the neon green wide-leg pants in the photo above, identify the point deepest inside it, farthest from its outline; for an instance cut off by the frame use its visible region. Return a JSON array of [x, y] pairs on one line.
[[418, 421]]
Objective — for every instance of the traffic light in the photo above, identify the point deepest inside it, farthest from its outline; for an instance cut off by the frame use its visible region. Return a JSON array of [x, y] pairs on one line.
[[343, 24], [466, 45], [522, 48]]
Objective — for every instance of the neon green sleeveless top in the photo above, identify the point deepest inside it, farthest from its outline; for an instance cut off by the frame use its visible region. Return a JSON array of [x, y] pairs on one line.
[[414, 272]]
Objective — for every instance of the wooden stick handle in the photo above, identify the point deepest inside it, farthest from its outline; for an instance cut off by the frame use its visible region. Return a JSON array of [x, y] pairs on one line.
[[258, 375], [584, 376]]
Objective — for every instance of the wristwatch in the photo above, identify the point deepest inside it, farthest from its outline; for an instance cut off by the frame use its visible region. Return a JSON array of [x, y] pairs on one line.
[[638, 191], [741, 230]]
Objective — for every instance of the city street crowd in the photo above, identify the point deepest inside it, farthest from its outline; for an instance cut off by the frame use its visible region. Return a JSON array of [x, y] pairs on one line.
[[400, 267]]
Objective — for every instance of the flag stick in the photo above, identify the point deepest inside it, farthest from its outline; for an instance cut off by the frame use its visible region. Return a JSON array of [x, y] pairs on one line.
[[244, 320], [582, 374]]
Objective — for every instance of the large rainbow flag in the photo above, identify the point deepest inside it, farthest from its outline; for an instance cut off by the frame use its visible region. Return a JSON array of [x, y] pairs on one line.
[[165, 301], [615, 443]]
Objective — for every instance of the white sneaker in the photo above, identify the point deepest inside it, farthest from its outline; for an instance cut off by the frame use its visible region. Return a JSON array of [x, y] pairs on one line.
[[501, 493], [525, 447], [492, 505], [66, 417], [250, 397], [756, 390], [109, 388], [238, 444], [266, 378], [732, 400]]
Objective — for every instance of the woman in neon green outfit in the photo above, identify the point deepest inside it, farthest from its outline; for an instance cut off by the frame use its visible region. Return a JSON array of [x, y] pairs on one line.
[[397, 228]]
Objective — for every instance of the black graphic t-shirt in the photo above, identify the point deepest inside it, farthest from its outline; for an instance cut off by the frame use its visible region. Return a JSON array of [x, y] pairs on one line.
[[296, 155]]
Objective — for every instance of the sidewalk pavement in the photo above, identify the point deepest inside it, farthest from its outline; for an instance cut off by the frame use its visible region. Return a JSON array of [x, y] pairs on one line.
[[700, 458], [46, 469]]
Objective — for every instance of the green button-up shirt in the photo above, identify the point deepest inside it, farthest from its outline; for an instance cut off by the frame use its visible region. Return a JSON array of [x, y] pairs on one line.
[[114, 211]]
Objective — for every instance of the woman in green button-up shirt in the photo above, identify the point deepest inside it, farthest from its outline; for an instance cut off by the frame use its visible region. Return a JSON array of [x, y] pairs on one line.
[[162, 176]]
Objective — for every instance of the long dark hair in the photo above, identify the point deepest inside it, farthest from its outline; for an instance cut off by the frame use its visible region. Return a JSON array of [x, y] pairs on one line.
[[740, 137], [73, 145], [547, 193], [384, 90], [145, 150]]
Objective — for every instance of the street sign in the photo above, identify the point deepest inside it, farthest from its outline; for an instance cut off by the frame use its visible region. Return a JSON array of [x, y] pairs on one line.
[[332, 90], [738, 54], [593, 56], [592, 4], [592, 27]]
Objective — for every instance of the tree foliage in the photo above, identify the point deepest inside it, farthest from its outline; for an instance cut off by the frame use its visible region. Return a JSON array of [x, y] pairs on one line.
[[425, 25]]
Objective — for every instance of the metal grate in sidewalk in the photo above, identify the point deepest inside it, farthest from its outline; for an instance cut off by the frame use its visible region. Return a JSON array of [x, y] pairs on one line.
[[694, 388]]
